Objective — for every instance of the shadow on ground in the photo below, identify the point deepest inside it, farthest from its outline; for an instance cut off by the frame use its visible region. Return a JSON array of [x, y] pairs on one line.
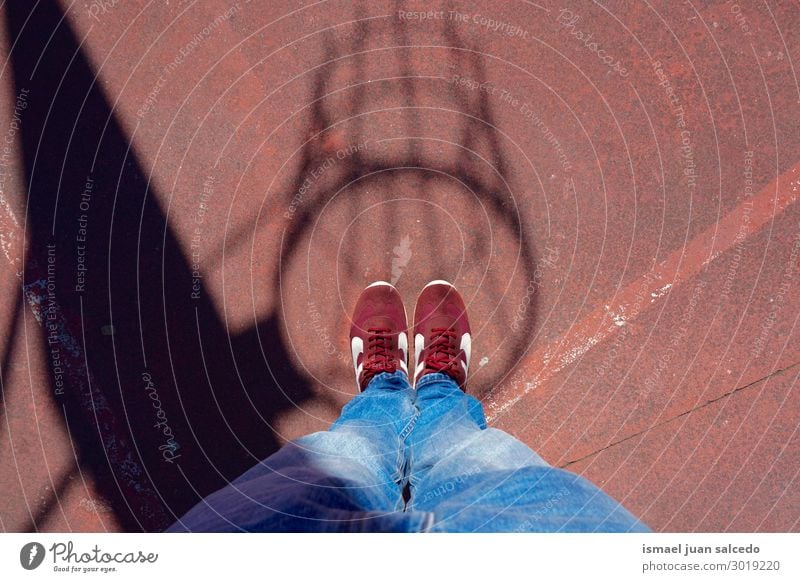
[[164, 404]]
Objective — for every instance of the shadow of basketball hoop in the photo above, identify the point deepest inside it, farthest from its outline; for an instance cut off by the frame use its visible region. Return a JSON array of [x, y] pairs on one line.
[[392, 185]]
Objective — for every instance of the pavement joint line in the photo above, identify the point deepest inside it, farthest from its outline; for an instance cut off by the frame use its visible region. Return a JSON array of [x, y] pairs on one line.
[[682, 264], [682, 414]]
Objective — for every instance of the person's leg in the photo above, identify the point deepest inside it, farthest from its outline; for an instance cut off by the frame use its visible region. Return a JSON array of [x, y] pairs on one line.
[[348, 478], [474, 478]]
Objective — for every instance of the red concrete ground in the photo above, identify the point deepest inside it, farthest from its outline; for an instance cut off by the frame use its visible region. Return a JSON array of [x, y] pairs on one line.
[[194, 193]]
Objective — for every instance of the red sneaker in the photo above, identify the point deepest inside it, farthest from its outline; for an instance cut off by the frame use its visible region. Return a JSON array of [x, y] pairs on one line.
[[379, 333], [442, 341]]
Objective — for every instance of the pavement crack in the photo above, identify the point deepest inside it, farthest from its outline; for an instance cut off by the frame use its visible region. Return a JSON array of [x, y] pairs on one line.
[[677, 416]]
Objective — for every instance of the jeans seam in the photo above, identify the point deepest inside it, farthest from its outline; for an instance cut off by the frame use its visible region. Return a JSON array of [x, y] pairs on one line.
[[428, 523], [406, 449], [434, 377], [387, 375]]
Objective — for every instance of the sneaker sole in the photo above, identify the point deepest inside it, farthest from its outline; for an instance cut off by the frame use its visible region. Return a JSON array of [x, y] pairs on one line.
[[437, 282]]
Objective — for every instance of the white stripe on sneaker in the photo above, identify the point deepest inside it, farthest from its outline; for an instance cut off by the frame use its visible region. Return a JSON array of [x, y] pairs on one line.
[[466, 345], [402, 342], [418, 371], [419, 345], [356, 349]]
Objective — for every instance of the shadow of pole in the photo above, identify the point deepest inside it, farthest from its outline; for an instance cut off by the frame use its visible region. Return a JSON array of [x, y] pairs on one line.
[[163, 405]]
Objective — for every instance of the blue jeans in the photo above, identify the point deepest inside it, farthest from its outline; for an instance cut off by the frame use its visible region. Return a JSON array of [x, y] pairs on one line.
[[432, 442]]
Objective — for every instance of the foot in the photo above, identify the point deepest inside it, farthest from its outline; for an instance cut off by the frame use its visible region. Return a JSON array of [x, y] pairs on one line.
[[379, 333], [442, 341]]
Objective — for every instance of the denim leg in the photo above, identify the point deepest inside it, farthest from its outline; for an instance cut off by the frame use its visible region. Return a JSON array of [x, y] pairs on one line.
[[348, 478], [474, 478]]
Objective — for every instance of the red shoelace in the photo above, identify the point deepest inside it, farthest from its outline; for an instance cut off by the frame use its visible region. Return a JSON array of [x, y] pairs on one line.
[[378, 357], [442, 352]]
